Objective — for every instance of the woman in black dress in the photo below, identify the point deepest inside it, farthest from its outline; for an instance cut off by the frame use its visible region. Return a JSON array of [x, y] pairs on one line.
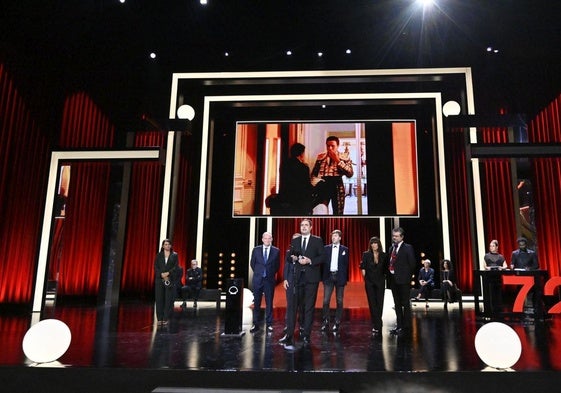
[[448, 282], [374, 266]]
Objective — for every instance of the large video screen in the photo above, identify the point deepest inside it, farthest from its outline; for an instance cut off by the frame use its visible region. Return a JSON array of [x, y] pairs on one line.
[[364, 168]]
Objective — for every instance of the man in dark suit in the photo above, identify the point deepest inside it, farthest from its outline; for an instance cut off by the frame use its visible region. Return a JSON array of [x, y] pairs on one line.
[[335, 275], [308, 256], [193, 284], [401, 268], [265, 263], [288, 285]]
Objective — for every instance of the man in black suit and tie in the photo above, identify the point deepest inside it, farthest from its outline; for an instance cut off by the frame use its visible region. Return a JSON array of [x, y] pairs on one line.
[[265, 262], [401, 268], [335, 275], [308, 256]]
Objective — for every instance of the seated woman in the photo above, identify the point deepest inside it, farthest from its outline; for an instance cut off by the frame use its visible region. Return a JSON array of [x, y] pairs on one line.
[[426, 281], [448, 279]]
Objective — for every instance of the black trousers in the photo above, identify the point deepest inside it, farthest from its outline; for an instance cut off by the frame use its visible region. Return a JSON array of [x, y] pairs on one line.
[[305, 295], [375, 294], [402, 302]]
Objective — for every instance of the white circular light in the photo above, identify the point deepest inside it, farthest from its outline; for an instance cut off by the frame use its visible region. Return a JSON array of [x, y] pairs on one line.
[[186, 112], [46, 341], [498, 345], [451, 108]]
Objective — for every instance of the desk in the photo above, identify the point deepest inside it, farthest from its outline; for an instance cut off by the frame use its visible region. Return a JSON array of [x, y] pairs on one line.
[[492, 284]]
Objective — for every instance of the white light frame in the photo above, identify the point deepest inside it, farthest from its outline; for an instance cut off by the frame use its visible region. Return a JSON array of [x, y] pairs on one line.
[[83, 155], [436, 96]]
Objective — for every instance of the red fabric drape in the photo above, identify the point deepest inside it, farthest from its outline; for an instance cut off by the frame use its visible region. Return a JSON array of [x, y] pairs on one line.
[[84, 126], [497, 194], [143, 220], [24, 158], [546, 128], [458, 203]]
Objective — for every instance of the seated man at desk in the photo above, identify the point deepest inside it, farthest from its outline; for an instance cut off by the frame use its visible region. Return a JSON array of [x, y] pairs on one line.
[[523, 258]]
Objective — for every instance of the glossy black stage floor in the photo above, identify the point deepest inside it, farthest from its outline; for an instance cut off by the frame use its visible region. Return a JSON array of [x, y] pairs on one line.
[[123, 350]]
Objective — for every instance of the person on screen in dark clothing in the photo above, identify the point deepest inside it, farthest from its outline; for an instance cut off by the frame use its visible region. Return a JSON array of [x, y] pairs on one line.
[[295, 189]]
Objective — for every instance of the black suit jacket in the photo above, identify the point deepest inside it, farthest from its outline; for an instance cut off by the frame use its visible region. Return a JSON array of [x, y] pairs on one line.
[[258, 264], [404, 266], [342, 264], [375, 272], [160, 265], [314, 251]]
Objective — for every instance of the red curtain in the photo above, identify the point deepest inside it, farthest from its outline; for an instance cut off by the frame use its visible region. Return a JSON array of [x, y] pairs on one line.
[[24, 158], [84, 126], [458, 207], [498, 195], [546, 128], [143, 220]]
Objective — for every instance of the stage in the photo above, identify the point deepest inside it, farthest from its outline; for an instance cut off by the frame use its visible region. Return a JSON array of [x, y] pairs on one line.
[[123, 350]]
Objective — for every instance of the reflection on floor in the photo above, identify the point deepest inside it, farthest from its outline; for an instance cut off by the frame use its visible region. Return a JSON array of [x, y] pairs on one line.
[[441, 340]]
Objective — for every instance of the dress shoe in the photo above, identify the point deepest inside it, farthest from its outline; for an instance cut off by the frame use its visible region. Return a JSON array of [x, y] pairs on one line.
[[254, 329], [336, 327], [269, 329], [325, 325], [289, 346], [285, 339], [396, 331]]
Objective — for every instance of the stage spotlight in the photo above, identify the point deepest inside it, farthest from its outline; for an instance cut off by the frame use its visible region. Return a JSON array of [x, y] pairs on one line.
[[186, 112], [498, 345], [46, 341], [451, 108]]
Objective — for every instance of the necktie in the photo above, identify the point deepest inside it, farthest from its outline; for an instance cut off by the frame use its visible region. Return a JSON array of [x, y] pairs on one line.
[[393, 258], [304, 245], [265, 257]]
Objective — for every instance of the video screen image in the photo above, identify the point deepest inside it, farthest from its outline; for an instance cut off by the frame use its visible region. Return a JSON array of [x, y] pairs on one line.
[[365, 168]]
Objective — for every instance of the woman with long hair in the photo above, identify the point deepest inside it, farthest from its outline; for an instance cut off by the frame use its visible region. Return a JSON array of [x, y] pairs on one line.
[[374, 266], [165, 263]]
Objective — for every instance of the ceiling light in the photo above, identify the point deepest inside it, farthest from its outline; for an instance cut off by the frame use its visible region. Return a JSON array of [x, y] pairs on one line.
[[348, 51], [289, 53], [320, 54]]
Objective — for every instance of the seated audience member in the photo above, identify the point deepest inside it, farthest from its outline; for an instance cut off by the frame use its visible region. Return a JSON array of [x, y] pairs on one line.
[[448, 282], [523, 258], [193, 284], [426, 281]]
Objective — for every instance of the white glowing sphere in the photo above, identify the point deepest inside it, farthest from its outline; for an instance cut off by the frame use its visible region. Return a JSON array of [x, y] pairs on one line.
[[498, 345], [46, 341], [186, 112], [451, 108]]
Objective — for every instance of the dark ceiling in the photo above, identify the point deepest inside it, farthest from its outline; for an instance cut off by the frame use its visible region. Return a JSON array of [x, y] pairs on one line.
[[103, 46]]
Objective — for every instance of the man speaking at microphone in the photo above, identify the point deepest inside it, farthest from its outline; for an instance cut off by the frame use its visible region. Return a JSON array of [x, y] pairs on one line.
[[308, 256]]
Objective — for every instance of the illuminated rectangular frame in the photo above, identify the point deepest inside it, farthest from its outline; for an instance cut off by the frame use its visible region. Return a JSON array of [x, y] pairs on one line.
[[56, 157], [465, 71]]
